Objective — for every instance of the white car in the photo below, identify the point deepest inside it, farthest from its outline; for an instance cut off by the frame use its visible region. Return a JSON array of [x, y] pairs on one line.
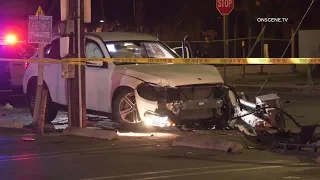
[[156, 94]]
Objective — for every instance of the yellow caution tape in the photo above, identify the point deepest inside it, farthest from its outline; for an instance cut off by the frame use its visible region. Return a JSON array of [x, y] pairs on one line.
[[176, 60], [204, 60]]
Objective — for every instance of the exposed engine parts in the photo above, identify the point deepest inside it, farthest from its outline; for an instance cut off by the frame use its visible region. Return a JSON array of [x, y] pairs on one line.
[[218, 106], [187, 105]]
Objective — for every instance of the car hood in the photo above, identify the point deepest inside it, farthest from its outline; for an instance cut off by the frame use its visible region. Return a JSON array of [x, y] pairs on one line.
[[172, 74]]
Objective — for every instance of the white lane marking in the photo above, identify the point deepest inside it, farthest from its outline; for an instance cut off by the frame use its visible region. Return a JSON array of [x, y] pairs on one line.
[[76, 151], [213, 172], [291, 177], [178, 170], [210, 172], [301, 164], [34, 156]]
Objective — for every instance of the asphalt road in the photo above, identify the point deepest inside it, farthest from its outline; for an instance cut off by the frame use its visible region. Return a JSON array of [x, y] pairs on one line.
[[65, 157]]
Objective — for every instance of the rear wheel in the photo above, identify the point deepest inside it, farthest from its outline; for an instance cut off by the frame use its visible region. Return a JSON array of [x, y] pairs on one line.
[[125, 111], [51, 109]]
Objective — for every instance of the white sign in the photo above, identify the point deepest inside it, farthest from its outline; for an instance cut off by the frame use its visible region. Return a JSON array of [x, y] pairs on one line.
[[40, 29]]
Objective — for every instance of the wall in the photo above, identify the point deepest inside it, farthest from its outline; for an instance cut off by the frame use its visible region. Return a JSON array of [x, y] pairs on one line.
[[309, 43]]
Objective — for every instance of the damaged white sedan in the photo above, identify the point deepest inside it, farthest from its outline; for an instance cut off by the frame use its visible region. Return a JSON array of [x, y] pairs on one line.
[[151, 94]]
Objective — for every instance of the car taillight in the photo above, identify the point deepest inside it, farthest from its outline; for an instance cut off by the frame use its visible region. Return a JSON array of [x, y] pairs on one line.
[[26, 64]]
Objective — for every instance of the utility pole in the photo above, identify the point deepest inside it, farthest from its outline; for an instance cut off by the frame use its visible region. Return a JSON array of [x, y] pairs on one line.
[[72, 83], [76, 91], [82, 68]]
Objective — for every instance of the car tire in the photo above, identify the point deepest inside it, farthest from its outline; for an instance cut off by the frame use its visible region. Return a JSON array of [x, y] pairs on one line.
[[51, 108], [117, 107]]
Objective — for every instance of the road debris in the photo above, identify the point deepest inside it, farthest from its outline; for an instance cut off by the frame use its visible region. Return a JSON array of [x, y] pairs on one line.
[[263, 123], [7, 107], [28, 139]]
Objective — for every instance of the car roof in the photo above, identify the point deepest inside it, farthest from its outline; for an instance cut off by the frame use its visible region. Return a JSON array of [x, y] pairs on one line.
[[122, 36]]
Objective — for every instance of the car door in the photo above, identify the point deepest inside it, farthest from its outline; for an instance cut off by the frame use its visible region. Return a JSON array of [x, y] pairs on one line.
[[178, 50], [52, 73], [98, 76]]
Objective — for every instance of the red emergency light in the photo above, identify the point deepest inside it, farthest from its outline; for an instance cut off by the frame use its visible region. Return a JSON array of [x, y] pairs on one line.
[[11, 39]]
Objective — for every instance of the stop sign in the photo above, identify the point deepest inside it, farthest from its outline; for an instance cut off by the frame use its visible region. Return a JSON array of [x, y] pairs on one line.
[[225, 6]]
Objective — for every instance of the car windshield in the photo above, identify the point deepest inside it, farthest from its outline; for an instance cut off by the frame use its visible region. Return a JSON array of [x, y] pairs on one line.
[[139, 49]]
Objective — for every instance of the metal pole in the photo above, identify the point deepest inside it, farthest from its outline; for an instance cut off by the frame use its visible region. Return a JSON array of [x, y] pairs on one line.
[[244, 56], [38, 118], [235, 37], [262, 47], [293, 67], [225, 50], [249, 40]]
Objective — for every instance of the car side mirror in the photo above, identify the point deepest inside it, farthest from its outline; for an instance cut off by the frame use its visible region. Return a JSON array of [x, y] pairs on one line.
[[97, 64], [64, 46]]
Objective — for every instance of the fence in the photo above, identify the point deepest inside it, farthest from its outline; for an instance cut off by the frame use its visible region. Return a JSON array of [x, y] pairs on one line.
[[238, 48], [214, 49]]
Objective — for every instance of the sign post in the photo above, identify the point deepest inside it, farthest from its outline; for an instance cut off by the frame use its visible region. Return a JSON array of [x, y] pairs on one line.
[[40, 32], [225, 7]]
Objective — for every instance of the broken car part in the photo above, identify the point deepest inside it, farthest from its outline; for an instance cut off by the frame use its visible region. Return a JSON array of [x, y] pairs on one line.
[[273, 130], [217, 106], [208, 104]]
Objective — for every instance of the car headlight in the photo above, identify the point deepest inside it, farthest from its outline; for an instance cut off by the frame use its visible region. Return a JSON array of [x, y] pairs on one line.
[[153, 92]]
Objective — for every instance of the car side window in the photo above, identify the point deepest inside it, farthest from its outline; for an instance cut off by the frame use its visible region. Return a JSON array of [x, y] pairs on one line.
[[53, 50], [93, 50]]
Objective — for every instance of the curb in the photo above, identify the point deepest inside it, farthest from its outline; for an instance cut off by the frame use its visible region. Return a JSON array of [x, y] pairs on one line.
[[14, 130], [208, 143], [300, 90], [93, 133]]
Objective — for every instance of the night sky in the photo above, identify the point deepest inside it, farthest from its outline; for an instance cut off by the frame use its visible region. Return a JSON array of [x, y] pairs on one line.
[[161, 11]]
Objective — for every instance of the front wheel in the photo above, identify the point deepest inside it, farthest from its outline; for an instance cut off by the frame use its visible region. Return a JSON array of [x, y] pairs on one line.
[[125, 110], [51, 109]]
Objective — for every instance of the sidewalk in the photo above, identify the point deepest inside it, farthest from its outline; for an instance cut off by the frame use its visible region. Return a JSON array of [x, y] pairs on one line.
[[280, 80]]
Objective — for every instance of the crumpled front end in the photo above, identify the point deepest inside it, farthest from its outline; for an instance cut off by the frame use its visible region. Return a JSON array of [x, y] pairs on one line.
[[183, 105]]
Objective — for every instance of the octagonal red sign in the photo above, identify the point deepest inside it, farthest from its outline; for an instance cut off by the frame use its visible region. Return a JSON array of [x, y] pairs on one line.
[[225, 7]]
